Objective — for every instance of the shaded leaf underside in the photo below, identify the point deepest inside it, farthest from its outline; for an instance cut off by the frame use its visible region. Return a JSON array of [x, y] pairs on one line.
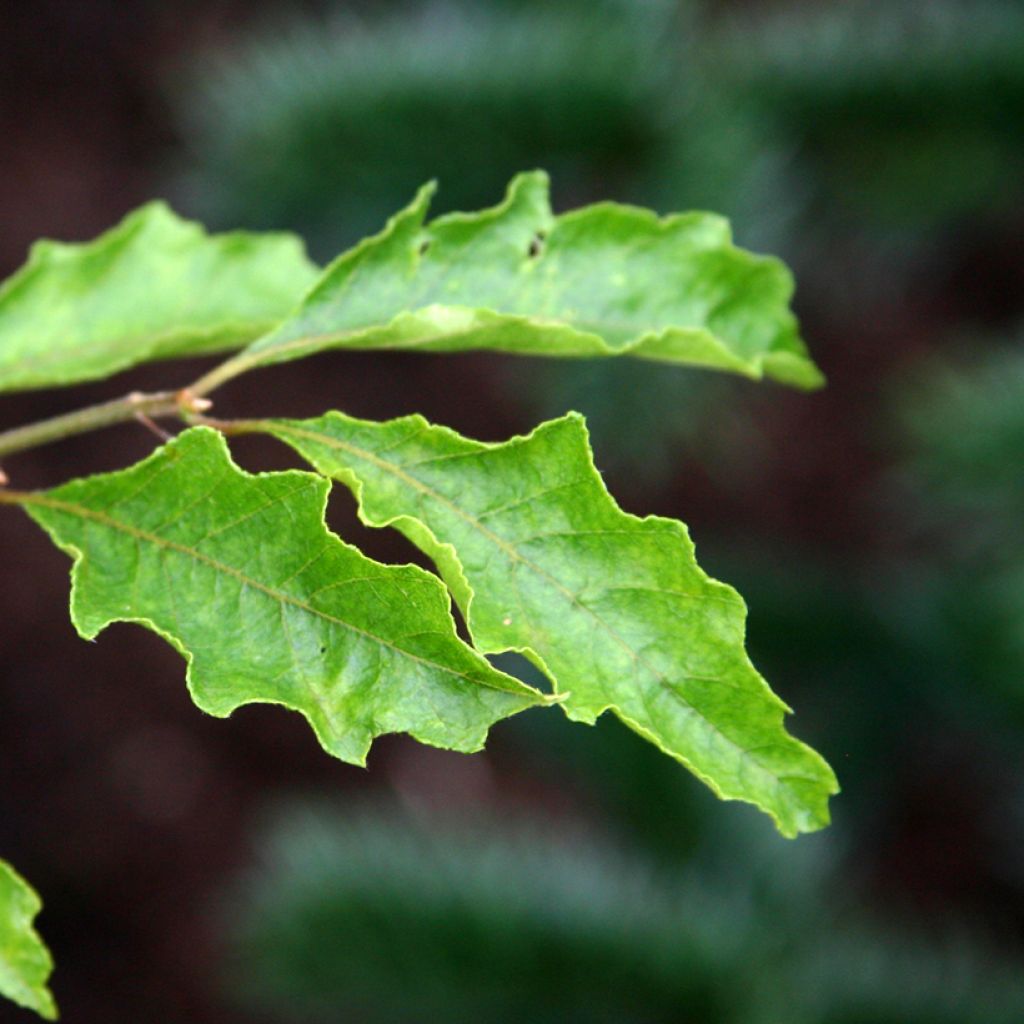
[[25, 964], [599, 281], [241, 575], [613, 608], [153, 287]]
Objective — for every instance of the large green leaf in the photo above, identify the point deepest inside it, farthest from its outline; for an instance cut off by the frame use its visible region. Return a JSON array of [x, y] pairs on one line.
[[600, 281], [241, 575], [25, 964], [613, 608], [153, 287]]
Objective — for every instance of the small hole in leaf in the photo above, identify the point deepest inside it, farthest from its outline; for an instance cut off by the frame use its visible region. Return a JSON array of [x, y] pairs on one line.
[[536, 245], [424, 247], [323, 650]]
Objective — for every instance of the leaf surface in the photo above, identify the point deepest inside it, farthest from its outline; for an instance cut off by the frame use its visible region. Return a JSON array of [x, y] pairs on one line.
[[241, 575], [25, 963], [153, 287], [613, 608], [600, 281]]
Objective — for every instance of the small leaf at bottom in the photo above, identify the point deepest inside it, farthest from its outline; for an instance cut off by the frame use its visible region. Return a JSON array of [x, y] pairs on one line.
[[25, 963]]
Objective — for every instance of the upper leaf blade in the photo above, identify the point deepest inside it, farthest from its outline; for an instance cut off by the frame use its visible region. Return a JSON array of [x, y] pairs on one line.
[[600, 281], [241, 575], [153, 287], [25, 963], [613, 608]]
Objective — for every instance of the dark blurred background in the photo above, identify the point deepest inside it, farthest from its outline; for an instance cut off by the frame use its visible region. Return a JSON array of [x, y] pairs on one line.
[[220, 871]]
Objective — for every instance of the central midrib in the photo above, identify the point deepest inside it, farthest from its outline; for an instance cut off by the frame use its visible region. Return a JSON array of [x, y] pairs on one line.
[[272, 427], [254, 356], [279, 596]]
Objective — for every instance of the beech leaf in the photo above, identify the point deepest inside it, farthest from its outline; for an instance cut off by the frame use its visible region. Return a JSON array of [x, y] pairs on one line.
[[153, 287], [25, 963], [241, 575], [613, 608], [603, 280]]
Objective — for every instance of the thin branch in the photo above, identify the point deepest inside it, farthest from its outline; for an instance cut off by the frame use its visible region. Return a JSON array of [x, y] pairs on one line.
[[156, 405], [145, 408]]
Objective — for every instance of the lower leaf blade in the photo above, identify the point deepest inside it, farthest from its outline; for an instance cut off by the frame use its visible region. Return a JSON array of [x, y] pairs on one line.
[[614, 608], [241, 575]]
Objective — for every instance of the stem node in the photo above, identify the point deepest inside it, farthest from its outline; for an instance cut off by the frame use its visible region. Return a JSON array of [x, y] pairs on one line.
[[192, 404]]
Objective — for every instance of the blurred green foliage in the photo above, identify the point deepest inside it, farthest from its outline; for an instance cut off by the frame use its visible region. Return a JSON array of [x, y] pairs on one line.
[[962, 482], [855, 115], [329, 127], [907, 113], [964, 426], [382, 916]]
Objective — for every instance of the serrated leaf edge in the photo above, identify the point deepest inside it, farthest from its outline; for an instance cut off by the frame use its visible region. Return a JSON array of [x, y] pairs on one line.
[[89, 630], [46, 252], [451, 564], [788, 367]]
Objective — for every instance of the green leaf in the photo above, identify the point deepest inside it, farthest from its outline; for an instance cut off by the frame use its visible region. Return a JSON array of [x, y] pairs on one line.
[[153, 287], [25, 963], [613, 608], [600, 281], [240, 574]]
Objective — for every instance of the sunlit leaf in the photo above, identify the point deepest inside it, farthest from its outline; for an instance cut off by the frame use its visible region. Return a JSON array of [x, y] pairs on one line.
[[613, 608], [241, 575], [603, 280], [153, 287], [25, 964]]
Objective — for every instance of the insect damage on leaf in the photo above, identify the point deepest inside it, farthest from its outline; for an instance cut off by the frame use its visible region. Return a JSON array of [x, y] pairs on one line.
[[604, 280]]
